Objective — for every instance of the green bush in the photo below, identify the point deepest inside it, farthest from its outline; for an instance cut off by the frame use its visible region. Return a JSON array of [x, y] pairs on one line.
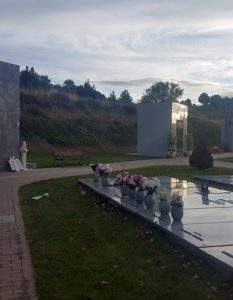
[[201, 157]]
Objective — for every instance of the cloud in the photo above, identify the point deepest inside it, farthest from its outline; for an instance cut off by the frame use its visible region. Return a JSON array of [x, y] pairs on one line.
[[192, 89], [186, 40]]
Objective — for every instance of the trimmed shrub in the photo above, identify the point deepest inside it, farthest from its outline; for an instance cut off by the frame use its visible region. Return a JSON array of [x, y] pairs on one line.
[[201, 157]]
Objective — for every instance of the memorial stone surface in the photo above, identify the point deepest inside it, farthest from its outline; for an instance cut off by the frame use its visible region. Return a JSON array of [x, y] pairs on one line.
[[9, 113], [225, 181], [207, 224]]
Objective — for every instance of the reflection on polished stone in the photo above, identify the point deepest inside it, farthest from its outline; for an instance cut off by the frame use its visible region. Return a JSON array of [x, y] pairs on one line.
[[225, 181], [194, 197], [207, 223], [205, 198], [177, 227], [165, 221]]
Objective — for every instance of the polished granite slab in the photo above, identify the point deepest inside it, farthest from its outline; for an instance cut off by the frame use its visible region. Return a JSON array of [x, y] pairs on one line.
[[223, 253], [207, 225], [221, 180]]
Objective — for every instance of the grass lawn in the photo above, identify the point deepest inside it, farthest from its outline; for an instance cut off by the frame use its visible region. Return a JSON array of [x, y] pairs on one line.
[[180, 172], [83, 248], [47, 160], [227, 159]]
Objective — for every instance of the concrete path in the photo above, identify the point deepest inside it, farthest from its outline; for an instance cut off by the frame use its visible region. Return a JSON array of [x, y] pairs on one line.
[[16, 272], [223, 155]]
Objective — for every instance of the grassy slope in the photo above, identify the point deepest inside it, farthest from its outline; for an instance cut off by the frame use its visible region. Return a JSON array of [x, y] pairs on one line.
[[205, 122], [46, 160], [67, 120], [70, 121], [83, 248]]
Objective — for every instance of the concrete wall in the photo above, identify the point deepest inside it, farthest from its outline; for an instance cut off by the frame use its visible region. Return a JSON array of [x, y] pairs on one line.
[[9, 112], [154, 125], [227, 132]]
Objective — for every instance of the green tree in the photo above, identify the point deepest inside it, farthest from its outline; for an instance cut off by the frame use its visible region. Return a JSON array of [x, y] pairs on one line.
[[44, 81], [204, 99], [186, 102], [87, 85], [69, 86], [162, 92], [25, 78], [112, 97], [217, 101], [69, 83], [201, 157], [125, 97], [29, 79]]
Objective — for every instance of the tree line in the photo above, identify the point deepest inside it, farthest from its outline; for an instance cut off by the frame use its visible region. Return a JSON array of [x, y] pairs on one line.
[[31, 80], [157, 93], [42, 102], [215, 101]]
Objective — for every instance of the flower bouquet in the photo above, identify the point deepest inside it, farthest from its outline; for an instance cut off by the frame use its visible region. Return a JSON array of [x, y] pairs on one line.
[[121, 180], [139, 180], [96, 175], [140, 196], [135, 185], [151, 185], [103, 171], [129, 183]]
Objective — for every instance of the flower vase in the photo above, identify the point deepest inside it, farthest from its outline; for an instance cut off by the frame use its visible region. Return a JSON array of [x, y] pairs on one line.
[[124, 191], [132, 194], [177, 212], [140, 196], [149, 201], [164, 207], [156, 202], [96, 177], [105, 181], [165, 220]]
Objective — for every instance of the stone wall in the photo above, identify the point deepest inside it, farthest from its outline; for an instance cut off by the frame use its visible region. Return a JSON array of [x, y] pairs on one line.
[[154, 124], [227, 132], [9, 112], [157, 124]]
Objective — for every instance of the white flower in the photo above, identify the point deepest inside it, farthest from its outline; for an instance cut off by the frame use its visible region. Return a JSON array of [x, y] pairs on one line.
[[156, 181], [176, 197], [151, 183]]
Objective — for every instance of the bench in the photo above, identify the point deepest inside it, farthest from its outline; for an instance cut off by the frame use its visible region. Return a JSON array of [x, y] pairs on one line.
[[179, 153], [61, 155]]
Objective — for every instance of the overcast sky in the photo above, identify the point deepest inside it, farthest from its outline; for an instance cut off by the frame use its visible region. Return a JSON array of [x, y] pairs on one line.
[[182, 40]]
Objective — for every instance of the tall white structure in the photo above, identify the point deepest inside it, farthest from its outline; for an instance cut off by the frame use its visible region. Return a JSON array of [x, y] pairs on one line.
[[161, 127], [227, 130]]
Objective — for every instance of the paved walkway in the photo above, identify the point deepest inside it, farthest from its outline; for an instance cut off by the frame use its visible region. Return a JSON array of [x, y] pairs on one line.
[[16, 272]]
